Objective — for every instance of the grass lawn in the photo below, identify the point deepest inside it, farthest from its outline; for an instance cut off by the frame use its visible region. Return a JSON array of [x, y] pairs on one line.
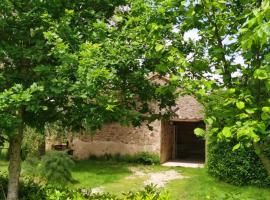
[[201, 186], [88, 174], [115, 177]]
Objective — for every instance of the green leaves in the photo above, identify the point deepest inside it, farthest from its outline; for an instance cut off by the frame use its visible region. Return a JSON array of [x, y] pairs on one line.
[[266, 109], [159, 47], [199, 132], [240, 105], [261, 74], [237, 146], [226, 132]]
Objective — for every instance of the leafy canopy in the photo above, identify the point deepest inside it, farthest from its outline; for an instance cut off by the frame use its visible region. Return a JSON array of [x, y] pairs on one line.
[[85, 63], [235, 93]]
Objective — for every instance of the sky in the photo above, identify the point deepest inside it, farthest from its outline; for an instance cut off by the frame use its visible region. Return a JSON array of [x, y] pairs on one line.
[[193, 35]]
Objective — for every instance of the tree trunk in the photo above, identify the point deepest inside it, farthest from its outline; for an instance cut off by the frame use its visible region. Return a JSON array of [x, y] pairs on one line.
[[15, 164], [266, 162], [264, 159]]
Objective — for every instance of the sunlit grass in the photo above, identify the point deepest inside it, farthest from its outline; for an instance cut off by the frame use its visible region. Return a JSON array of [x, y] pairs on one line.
[[114, 177], [199, 185], [88, 174]]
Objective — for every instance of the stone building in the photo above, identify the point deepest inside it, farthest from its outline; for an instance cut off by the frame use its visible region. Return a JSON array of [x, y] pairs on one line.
[[171, 140]]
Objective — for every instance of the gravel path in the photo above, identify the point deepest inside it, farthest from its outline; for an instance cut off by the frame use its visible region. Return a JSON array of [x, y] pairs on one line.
[[160, 179]]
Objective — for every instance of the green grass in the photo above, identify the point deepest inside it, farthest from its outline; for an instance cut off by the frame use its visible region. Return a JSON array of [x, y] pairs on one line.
[[197, 185], [88, 174]]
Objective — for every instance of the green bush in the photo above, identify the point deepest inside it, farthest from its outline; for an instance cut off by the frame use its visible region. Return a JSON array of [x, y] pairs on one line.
[[56, 167], [145, 158], [240, 167]]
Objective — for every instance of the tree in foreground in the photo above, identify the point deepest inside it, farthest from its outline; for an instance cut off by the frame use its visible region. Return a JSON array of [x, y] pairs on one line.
[[236, 94], [82, 64]]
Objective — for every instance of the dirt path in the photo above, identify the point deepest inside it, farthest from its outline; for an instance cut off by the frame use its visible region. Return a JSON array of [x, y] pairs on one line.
[[160, 179]]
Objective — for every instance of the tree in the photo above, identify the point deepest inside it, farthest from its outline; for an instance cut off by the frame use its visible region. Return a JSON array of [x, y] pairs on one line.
[[81, 63], [235, 94]]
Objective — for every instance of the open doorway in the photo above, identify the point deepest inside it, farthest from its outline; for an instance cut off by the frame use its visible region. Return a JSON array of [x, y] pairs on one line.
[[187, 147]]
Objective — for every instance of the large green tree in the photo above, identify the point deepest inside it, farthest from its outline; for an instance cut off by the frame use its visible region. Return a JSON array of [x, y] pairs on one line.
[[82, 63], [230, 65]]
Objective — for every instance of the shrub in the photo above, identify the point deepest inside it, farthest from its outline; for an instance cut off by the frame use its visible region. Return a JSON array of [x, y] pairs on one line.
[[240, 167], [145, 158], [56, 167]]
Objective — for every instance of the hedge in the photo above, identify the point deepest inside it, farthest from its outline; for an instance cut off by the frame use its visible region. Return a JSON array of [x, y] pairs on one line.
[[240, 167]]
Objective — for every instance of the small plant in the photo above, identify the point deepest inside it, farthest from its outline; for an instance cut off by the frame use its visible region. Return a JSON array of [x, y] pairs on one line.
[[150, 192], [56, 167], [147, 158]]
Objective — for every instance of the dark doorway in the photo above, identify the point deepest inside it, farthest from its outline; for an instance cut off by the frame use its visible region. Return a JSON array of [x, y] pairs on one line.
[[187, 146]]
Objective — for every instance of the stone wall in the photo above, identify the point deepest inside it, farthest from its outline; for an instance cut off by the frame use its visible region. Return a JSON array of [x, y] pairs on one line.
[[117, 139], [166, 143]]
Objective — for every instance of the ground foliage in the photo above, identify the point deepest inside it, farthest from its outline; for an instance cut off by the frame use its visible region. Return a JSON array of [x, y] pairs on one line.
[[32, 191]]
